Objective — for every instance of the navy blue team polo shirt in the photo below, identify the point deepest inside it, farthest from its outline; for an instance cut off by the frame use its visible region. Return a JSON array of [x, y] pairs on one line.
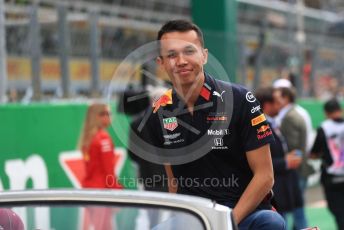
[[226, 123]]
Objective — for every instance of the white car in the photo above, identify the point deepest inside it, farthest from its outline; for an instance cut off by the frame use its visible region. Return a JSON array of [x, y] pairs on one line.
[[114, 209]]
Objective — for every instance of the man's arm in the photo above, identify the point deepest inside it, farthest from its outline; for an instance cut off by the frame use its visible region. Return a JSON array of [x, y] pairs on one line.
[[261, 165], [172, 183]]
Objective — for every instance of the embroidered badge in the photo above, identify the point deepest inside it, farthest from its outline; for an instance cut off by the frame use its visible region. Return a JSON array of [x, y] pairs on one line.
[[263, 132], [164, 100], [170, 123], [258, 120]]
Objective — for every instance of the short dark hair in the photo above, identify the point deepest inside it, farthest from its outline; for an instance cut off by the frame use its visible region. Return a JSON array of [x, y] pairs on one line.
[[332, 105], [180, 26], [264, 95], [288, 92]]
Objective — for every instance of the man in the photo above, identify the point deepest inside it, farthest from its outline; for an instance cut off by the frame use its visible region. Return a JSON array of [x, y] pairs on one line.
[[293, 128], [238, 149], [285, 83], [286, 189], [329, 146]]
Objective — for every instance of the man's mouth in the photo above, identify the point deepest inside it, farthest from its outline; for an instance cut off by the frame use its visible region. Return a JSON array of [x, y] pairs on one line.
[[184, 71]]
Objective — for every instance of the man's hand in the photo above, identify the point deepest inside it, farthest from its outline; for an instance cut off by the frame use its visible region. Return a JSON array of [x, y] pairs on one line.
[[293, 160]]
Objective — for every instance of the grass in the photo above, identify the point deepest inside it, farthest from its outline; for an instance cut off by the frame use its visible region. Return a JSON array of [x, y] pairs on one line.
[[317, 217], [320, 217]]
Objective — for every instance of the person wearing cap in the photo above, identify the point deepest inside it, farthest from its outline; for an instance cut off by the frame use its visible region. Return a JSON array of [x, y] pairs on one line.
[[285, 83], [329, 146], [237, 148]]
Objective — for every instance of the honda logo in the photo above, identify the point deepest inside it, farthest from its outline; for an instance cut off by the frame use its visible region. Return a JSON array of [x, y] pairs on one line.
[[218, 142]]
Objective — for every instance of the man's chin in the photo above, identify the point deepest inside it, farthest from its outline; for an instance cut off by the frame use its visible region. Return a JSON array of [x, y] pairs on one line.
[[186, 80]]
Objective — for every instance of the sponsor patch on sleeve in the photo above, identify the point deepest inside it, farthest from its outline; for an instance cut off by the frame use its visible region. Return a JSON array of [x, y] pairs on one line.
[[263, 132], [257, 120], [164, 100]]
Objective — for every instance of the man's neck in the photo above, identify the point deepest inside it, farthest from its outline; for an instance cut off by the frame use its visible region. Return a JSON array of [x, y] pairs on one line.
[[190, 93]]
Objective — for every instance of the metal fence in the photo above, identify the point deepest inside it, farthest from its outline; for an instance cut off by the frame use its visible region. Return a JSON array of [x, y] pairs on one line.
[[70, 49], [278, 39]]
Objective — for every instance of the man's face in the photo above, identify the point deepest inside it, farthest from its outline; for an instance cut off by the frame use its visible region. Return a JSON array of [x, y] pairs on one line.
[[270, 109], [182, 57], [279, 101]]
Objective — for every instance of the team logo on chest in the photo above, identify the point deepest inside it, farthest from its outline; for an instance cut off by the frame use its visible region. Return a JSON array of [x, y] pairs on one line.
[[170, 123]]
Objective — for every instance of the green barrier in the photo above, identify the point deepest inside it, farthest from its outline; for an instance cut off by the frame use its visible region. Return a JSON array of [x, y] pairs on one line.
[[35, 135], [38, 149], [39, 136]]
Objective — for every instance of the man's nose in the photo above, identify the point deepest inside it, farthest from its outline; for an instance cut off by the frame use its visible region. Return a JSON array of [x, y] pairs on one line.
[[181, 60]]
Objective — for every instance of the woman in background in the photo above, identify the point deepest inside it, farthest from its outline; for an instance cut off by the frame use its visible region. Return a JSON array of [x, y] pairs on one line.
[[98, 153], [98, 149]]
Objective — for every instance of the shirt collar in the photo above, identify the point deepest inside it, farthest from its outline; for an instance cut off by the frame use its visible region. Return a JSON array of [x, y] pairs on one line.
[[205, 96]]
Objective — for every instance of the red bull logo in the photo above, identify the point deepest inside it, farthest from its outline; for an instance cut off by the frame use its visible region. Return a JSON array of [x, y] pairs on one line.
[[263, 128], [263, 132], [164, 100]]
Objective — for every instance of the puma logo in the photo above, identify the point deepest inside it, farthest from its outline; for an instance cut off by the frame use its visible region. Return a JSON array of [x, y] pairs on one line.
[[215, 93]]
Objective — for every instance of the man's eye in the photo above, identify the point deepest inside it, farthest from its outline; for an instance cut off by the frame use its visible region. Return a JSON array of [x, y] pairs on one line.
[[189, 51], [172, 55]]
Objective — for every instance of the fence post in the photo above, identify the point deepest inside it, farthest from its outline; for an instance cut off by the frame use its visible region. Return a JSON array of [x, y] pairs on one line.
[[64, 49], [35, 44], [94, 53], [3, 69]]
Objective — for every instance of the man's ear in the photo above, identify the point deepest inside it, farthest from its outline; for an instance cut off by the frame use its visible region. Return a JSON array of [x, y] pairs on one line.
[[159, 60], [205, 56]]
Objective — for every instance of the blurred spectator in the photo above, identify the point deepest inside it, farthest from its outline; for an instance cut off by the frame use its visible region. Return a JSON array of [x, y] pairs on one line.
[[98, 149], [98, 153], [329, 146], [281, 83], [287, 193], [12, 95], [293, 128]]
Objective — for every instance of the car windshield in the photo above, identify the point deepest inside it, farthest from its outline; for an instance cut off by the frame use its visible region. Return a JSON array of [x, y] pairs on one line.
[[97, 216]]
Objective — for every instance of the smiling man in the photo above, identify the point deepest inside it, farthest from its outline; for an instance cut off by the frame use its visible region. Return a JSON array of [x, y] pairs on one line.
[[202, 114]]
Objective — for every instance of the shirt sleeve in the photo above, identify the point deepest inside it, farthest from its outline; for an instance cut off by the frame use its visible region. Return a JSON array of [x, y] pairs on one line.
[[319, 143], [320, 147], [255, 132]]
